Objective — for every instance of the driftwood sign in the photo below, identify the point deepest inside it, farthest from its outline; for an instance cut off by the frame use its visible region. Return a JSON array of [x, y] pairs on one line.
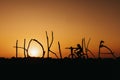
[[83, 54]]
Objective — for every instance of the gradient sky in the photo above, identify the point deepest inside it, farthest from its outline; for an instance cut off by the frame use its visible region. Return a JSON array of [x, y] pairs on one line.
[[70, 21]]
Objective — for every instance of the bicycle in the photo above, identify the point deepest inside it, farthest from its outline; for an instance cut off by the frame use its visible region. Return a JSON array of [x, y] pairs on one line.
[[75, 53]]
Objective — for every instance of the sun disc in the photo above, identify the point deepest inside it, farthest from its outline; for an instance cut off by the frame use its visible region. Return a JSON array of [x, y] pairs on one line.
[[34, 52]]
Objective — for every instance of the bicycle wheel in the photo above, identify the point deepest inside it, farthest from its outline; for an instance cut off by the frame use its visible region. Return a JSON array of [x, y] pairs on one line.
[[72, 56]]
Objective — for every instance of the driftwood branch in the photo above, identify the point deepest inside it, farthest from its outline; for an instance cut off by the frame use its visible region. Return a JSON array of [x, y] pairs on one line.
[[101, 45], [24, 47], [16, 48], [49, 45], [27, 49], [59, 50]]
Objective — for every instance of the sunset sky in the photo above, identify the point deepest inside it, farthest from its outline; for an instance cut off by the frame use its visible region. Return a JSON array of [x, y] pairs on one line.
[[70, 21]]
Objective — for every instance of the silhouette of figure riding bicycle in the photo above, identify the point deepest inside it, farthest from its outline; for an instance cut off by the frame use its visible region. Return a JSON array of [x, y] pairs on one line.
[[76, 52], [80, 51]]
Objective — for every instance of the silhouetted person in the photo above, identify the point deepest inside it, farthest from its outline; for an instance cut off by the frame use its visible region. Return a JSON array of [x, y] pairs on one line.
[[79, 50]]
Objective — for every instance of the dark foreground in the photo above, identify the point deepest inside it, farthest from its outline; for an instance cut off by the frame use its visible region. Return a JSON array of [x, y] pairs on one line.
[[34, 60], [64, 68]]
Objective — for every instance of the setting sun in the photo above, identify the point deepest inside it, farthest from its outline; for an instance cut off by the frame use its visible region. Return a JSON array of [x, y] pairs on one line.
[[34, 52]]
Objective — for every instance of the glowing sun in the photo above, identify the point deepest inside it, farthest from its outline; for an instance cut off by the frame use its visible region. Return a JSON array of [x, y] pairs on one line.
[[34, 52]]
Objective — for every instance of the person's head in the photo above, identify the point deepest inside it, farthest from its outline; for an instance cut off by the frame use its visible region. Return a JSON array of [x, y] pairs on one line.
[[78, 45]]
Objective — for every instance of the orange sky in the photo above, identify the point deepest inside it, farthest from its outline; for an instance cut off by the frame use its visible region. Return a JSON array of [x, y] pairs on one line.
[[70, 21]]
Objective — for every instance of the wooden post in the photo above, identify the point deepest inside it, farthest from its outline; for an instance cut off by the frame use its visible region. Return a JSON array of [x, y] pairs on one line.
[[83, 43], [24, 47], [47, 45], [16, 48], [59, 50]]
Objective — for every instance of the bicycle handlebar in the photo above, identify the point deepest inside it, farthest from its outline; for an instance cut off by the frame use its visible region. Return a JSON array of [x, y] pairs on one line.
[[70, 48]]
